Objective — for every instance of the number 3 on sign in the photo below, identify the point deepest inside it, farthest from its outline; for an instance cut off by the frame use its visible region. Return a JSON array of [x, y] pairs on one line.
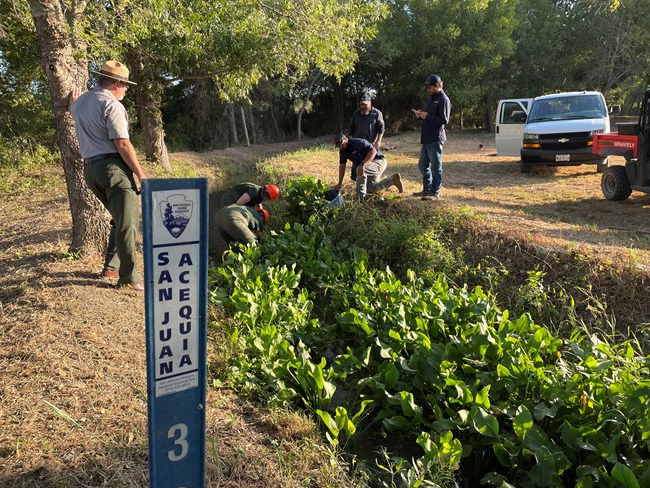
[[181, 441]]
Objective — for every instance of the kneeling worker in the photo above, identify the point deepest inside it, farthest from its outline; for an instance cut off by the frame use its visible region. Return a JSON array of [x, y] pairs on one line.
[[249, 194], [368, 165], [236, 223]]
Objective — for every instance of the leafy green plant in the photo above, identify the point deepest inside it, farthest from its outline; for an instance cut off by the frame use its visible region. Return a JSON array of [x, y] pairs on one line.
[[394, 240], [312, 318], [304, 198], [341, 422], [442, 454]]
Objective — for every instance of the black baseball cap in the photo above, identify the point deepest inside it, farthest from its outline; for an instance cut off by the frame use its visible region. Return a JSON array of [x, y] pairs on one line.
[[365, 98], [339, 137], [433, 80]]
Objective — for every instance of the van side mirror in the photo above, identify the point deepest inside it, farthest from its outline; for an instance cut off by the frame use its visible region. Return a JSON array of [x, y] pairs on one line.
[[615, 110], [518, 117]]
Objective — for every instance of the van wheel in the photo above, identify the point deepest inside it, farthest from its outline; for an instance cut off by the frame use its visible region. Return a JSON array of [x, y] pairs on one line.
[[525, 167], [615, 183], [603, 165]]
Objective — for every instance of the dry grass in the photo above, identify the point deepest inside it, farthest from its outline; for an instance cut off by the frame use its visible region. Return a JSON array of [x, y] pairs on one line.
[[72, 360]]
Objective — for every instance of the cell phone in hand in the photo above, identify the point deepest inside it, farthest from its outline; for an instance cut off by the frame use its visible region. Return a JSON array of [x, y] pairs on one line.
[[414, 111]]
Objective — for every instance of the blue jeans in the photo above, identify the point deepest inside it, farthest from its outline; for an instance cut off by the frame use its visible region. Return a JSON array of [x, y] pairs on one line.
[[430, 165]]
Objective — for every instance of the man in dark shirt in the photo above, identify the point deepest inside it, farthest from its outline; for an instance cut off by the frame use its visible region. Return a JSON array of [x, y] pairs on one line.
[[249, 194], [368, 165], [367, 123], [433, 137]]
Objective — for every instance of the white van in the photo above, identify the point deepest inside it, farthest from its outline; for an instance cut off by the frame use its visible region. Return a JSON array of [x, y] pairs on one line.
[[558, 130]]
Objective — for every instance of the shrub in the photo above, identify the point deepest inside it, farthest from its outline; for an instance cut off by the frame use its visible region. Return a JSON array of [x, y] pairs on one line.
[[19, 159]]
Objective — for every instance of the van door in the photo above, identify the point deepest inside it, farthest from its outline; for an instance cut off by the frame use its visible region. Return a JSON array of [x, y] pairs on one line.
[[508, 132]]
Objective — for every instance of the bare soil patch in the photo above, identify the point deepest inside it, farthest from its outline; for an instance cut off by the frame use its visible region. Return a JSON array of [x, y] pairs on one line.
[[72, 359]]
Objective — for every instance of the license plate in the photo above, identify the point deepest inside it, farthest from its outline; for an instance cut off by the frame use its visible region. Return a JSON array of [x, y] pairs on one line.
[[562, 157]]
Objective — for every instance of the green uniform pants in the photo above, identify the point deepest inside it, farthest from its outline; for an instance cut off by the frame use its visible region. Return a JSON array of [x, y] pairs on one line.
[[232, 226], [111, 180]]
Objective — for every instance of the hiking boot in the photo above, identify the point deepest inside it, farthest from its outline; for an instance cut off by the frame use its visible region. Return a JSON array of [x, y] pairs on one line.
[[429, 195], [420, 193], [397, 181]]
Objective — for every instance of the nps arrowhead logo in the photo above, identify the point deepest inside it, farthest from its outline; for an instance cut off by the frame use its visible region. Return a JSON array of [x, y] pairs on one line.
[[176, 212]]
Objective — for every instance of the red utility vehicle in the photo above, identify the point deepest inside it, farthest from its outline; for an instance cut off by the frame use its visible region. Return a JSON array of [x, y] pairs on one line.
[[632, 141]]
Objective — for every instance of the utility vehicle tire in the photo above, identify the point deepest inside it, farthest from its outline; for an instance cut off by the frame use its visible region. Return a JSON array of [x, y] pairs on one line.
[[601, 167], [525, 167], [615, 183]]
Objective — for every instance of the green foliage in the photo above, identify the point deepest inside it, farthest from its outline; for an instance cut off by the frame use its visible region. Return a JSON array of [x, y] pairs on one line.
[[442, 454], [21, 159], [441, 365], [25, 107], [304, 197], [239, 43], [260, 55]]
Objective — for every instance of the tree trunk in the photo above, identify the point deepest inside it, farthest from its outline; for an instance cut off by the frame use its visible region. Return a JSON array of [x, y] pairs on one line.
[[148, 98], [251, 118], [64, 71], [489, 116], [276, 129], [339, 99], [234, 138], [305, 101], [243, 123]]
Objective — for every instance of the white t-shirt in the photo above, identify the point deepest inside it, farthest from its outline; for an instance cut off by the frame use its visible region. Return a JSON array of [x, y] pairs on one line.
[[99, 118]]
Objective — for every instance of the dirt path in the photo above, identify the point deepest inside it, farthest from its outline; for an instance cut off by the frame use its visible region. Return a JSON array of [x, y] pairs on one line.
[[72, 364]]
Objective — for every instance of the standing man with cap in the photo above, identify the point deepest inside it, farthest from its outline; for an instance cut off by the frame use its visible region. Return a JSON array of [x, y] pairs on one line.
[[368, 165], [433, 137], [110, 162], [367, 122], [249, 194]]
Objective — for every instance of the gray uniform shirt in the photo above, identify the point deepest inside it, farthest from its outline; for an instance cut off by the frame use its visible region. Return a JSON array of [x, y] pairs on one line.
[[99, 118], [367, 126]]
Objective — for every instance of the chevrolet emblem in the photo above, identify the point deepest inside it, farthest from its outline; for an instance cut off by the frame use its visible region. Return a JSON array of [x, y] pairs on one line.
[[564, 139]]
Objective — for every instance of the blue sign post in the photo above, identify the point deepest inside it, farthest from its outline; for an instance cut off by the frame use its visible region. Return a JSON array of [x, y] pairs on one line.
[[175, 236]]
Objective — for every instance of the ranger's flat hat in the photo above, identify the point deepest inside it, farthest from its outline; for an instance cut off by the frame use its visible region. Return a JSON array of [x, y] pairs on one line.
[[115, 70]]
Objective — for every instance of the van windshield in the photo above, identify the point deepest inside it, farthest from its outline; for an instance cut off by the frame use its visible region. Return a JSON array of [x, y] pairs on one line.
[[570, 107]]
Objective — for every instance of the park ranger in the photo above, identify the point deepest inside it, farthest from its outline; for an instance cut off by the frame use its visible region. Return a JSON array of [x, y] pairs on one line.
[[110, 162]]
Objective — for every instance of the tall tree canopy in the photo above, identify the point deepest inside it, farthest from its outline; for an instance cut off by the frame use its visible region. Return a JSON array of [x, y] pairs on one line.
[[195, 59], [236, 43]]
